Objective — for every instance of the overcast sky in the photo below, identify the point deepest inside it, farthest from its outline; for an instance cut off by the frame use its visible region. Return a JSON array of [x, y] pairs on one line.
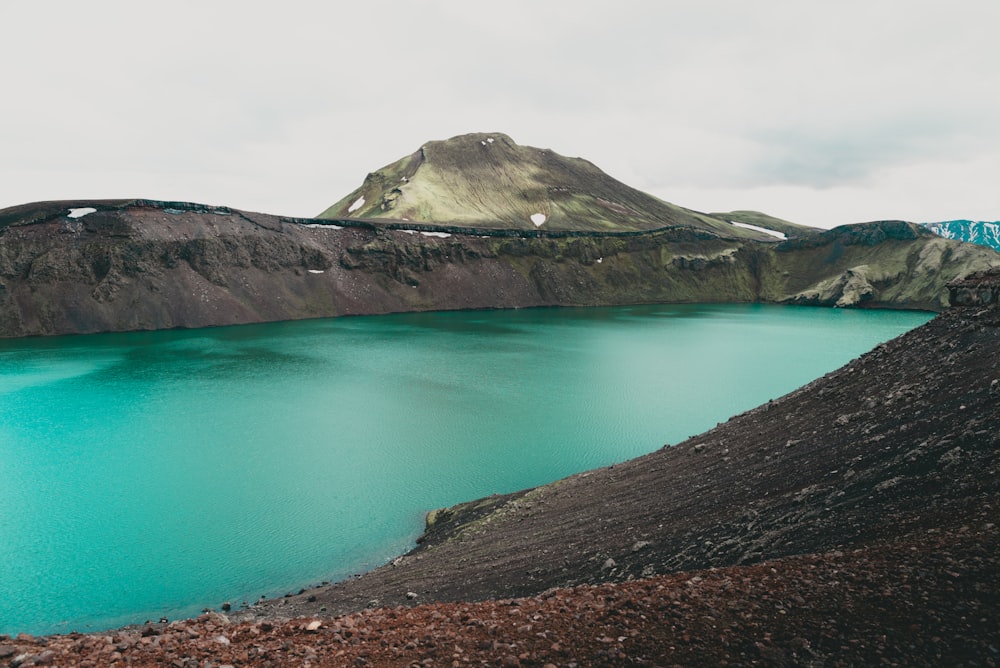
[[822, 113]]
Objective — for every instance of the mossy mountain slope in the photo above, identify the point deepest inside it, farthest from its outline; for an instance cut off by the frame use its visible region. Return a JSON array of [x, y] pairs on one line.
[[488, 180], [886, 262]]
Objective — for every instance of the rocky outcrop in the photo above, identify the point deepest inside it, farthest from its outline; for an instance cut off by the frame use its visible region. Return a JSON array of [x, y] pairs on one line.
[[979, 289], [78, 267]]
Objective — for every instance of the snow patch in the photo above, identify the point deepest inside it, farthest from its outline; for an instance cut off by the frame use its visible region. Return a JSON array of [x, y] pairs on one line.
[[600, 260], [358, 203], [773, 233], [316, 271], [538, 219], [490, 139], [483, 143], [428, 234], [80, 212], [323, 227]]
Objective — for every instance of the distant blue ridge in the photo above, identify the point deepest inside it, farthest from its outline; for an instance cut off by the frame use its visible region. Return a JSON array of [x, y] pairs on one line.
[[977, 232]]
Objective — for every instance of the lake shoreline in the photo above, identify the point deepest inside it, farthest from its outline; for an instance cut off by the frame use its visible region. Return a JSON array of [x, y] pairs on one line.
[[595, 386], [872, 538]]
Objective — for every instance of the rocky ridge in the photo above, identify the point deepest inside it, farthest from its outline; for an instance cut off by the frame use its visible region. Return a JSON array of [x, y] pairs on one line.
[[139, 265]]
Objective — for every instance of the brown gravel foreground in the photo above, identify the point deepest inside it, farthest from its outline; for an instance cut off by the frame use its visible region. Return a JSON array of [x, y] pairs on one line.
[[929, 601]]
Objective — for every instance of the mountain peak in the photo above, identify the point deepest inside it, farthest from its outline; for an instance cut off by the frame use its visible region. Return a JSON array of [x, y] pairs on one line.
[[486, 179]]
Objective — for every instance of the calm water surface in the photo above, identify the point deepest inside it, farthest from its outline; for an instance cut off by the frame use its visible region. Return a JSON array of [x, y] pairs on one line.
[[151, 474]]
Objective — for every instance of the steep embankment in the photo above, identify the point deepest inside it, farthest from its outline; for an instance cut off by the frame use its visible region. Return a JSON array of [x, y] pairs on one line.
[[901, 444], [139, 264]]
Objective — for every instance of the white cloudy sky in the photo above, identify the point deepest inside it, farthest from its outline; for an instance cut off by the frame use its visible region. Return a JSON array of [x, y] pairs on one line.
[[818, 112]]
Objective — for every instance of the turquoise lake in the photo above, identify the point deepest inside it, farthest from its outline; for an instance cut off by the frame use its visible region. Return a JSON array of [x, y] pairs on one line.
[[154, 474]]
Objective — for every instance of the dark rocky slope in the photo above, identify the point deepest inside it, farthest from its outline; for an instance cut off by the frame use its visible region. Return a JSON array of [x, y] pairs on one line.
[[137, 264], [899, 446]]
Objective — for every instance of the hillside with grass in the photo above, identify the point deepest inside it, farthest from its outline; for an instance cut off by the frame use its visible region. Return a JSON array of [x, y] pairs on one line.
[[488, 180]]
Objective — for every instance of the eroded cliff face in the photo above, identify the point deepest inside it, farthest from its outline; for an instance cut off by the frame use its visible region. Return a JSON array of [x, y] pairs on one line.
[[133, 265]]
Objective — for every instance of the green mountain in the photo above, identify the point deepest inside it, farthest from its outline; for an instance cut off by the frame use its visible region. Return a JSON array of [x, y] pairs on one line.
[[487, 180]]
